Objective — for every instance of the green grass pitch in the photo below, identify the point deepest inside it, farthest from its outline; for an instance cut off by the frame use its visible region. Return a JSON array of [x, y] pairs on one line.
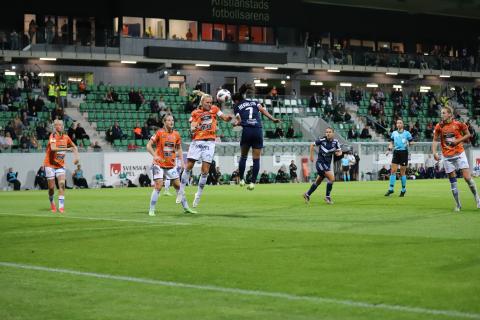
[[247, 255]]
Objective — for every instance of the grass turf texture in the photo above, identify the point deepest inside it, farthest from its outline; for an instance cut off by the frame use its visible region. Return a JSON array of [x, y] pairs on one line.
[[411, 252]]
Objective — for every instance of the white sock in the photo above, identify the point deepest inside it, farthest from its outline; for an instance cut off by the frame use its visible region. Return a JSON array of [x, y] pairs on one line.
[[167, 185], [184, 180], [201, 184], [61, 201], [154, 198]]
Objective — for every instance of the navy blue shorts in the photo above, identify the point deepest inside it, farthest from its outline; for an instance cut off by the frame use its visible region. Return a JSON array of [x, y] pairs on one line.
[[322, 167], [252, 137]]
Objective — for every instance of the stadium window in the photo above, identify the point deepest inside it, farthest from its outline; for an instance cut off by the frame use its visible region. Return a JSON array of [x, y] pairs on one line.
[[155, 28], [368, 44], [132, 27], [218, 32], [355, 43], [383, 46], [243, 34], [182, 30], [83, 31], [257, 35], [232, 32], [27, 19], [397, 47], [207, 29], [115, 25], [270, 38], [62, 29]]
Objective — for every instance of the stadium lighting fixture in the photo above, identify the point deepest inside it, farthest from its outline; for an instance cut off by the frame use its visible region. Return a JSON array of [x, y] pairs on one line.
[[333, 70], [425, 87], [128, 61], [452, 88], [271, 68], [282, 82], [257, 81], [46, 74], [261, 84], [397, 86], [345, 84], [202, 65], [425, 53], [391, 73], [402, 81], [14, 67], [316, 83], [444, 76], [288, 77], [10, 73], [73, 79], [48, 59], [372, 85]]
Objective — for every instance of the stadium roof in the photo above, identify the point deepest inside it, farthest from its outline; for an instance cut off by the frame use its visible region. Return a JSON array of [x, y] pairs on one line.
[[455, 8]]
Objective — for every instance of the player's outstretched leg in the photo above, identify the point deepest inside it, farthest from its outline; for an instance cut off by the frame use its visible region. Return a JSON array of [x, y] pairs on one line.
[[312, 189], [455, 193], [328, 199], [241, 169], [473, 188], [153, 202], [201, 184], [166, 192], [393, 179], [404, 186], [255, 170], [183, 182]]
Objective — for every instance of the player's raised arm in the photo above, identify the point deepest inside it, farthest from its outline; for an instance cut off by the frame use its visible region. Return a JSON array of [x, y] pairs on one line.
[[312, 151], [267, 114], [74, 149]]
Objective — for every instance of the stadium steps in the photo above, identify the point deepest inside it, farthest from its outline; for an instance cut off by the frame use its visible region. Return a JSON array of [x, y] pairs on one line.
[[361, 122], [75, 114]]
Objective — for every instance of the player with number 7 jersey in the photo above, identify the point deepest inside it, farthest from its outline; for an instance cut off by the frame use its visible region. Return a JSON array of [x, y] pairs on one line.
[[248, 116]]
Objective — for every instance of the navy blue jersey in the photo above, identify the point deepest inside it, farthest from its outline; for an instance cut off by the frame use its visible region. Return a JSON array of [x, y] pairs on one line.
[[249, 113], [326, 149]]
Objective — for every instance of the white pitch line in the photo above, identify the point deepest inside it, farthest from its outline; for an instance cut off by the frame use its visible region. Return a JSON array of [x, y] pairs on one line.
[[255, 293], [53, 230], [96, 218]]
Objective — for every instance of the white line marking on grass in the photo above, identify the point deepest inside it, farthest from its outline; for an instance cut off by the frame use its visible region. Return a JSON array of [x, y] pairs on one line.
[[96, 218], [256, 293], [54, 229]]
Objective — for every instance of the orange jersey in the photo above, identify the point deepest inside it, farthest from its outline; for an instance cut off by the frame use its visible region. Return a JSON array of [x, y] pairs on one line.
[[206, 123], [56, 159], [448, 132], [167, 143]]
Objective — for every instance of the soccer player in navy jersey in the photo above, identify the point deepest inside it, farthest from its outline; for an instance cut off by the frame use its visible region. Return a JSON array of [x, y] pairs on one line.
[[248, 116], [328, 146]]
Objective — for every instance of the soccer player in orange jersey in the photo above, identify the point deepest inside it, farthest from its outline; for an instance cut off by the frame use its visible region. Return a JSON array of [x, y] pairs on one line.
[[58, 145], [452, 134], [203, 124], [168, 148]]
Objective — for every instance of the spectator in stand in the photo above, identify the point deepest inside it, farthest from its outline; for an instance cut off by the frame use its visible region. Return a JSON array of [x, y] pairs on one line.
[[96, 147], [293, 172], [145, 132], [24, 142], [273, 94], [137, 131], [154, 106], [140, 99], [108, 97], [422, 172], [290, 132], [109, 134], [132, 96], [117, 132], [72, 132], [429, 131], [352, 133], [281, 175], [82, 88], [279, 132], [33, 143], [80, 132], [40, 104], [264, 177], [473, 138], [314, 101], [12, 178], [161, 103], [41, 179], [383, 174], [235, 177], [78, 178], [365, 133], [8, 141]]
